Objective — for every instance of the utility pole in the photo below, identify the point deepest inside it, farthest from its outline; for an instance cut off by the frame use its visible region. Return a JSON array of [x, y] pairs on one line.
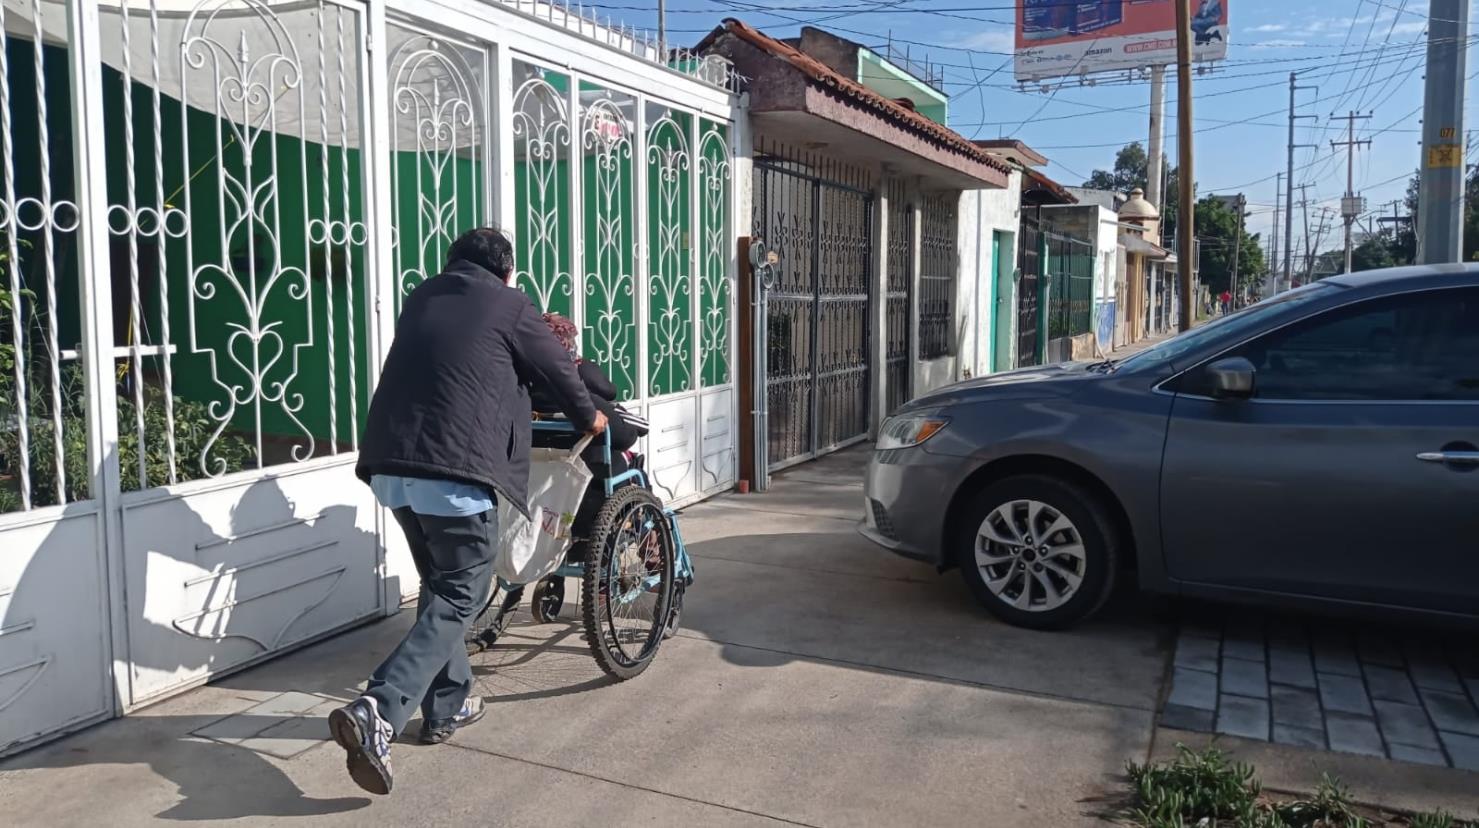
[[1351, 205], [1186, 225], [1304, 206], [1156, 160], [662, 30], [1232, 284], [1273, 248], [1289, 184], [1440, 201]]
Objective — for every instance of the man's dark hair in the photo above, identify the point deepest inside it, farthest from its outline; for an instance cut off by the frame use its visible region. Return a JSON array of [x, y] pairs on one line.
[[485, 247]]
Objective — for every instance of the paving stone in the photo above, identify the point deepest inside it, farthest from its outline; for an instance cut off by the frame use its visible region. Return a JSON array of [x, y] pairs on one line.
[[1353, 734], [1291, 666], [1288, 635], [1242, 716], [1306, 737], [1452, 711], [1182, 717], [1422, 756], [1335, 655], [1390, 685], [1430, 673], [1344, 694], [1381, 650], [1462, 749], [1196, 652], [1405, 724], [1193, 688], [1297, 706], [1244, 678], [1248, 649]]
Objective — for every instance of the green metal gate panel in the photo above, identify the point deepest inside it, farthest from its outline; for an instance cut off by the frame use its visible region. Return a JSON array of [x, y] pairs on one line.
[[541, 126], [608, 211], [714, 287], [670, 340]]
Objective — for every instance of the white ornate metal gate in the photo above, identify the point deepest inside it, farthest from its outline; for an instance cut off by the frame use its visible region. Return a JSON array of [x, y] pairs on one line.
[[210, 212]]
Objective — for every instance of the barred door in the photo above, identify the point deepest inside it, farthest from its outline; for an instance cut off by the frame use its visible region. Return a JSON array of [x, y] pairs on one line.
[[1029, 270], [900, 297], [817, 216]]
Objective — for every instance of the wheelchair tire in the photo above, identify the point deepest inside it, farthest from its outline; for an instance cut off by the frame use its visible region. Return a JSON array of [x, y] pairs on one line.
[[629, 582], [549, 597], [675, 612], [492, 621]]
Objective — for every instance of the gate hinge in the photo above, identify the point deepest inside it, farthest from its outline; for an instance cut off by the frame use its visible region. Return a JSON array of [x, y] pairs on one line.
[[369, 42]]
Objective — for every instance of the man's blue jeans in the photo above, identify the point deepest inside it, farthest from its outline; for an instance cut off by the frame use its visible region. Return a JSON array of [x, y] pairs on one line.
[[429, 668]]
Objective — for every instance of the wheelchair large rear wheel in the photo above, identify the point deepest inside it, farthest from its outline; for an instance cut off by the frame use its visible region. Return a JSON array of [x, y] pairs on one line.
[[628, 586]]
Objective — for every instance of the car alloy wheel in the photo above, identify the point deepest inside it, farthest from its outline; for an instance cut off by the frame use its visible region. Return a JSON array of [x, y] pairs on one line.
[[1031, 556]]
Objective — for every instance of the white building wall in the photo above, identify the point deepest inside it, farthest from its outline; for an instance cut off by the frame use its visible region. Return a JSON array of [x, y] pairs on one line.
[[1106, 279], [981, 215]]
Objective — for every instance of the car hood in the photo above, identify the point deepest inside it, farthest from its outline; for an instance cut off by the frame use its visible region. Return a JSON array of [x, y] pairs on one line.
[[1038, 380]]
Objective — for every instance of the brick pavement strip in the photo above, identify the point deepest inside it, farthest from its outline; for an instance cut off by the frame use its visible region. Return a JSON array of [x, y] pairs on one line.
[[1390, 685], [1380, 650], [1462, 749], [1244, 647], [1335, 655], [1241, 716], [1244, 678], [1405, 724], [1432, 674], [1344, 694], [1196, 652], [1291, 666], [1452, 712], [1298, 706], [1305, 737], [1422, 756], [1182, 717], [1353, 734], [1193, 688]]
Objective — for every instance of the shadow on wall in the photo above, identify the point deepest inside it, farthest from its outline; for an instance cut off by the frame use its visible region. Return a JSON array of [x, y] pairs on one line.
[[214, 581]]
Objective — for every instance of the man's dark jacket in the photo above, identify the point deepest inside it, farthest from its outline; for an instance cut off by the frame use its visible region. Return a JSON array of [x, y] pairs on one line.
[[453, 400]]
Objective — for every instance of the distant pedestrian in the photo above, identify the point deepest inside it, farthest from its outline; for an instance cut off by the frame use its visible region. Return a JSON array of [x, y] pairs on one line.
[[1226, 301], [446, 437]]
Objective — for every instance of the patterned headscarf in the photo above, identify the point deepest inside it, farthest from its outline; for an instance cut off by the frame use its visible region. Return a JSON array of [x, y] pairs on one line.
[[564, 330]]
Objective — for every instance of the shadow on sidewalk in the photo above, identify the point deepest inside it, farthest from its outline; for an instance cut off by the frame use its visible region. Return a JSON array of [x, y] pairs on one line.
[[214, 780]]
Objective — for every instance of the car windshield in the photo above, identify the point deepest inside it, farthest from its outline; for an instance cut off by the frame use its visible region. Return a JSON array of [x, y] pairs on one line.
[[1244, 320]]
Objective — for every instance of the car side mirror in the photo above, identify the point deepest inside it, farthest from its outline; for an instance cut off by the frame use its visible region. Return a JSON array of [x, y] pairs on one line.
[[1232, 378]]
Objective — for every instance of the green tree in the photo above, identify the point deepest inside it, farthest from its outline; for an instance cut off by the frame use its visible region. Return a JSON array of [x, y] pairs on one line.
[[1218, 232]]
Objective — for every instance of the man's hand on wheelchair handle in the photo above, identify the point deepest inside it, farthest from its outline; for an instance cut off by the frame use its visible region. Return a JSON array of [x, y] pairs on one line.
[[600, 424]]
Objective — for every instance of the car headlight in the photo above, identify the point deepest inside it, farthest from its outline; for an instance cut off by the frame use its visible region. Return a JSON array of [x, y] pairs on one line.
[[908, 430]]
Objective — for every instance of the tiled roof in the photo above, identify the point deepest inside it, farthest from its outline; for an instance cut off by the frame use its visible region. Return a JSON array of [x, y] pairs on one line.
[[1048, 184], [843, 86]]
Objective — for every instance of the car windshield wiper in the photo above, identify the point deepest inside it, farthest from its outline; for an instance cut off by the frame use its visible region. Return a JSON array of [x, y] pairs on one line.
[[1102, 367]]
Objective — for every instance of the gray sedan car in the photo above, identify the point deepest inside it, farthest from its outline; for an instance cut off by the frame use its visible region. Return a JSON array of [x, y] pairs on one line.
[[1318, 448]]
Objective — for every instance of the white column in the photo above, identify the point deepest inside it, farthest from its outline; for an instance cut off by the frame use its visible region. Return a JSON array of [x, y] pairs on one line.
[[381, 286], [90, 170], [878, 353]]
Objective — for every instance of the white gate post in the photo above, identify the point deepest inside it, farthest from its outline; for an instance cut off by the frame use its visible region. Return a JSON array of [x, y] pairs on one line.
[[90, 171], [502, 90], [380, 287], [741, 225], [878, 267]]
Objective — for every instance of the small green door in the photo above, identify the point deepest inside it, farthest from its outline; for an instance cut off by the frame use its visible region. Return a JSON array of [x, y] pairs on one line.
[[1002, 315]]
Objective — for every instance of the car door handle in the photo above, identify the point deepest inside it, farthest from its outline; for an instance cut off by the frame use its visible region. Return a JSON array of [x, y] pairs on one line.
[[1462, 457]]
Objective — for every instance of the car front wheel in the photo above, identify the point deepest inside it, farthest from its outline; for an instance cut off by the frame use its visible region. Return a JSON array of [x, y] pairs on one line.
[[1038, 551]]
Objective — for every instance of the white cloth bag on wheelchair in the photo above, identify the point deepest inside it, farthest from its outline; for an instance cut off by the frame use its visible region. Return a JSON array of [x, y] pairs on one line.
[[533, 547]]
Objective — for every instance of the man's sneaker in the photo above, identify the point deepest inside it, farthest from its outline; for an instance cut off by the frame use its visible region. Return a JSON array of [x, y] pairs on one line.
[[366, 738], [436, 731]]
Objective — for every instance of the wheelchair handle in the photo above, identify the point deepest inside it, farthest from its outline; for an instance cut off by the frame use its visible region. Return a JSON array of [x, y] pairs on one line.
[[566, 427]]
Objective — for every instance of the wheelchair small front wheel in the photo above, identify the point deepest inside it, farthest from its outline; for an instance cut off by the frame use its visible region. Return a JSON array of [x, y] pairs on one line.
[[549, 597], [628, 585], [675, 612]]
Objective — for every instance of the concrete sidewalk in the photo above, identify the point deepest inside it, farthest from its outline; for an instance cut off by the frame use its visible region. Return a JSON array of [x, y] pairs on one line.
[[818, 681]]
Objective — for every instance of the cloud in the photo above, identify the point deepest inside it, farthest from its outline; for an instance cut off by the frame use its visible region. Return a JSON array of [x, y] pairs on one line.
[[1277, 43], [990, 40], [1409, 27], [1269, 27]]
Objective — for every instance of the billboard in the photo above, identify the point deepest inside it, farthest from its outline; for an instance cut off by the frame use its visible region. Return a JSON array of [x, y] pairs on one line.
[[1068, 37]]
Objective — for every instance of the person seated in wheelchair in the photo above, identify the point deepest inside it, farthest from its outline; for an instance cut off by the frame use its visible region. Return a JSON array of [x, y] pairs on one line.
[[624, 427]]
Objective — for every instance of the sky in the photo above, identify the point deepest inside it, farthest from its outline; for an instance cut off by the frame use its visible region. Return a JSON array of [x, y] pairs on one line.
[[1363, 55]]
